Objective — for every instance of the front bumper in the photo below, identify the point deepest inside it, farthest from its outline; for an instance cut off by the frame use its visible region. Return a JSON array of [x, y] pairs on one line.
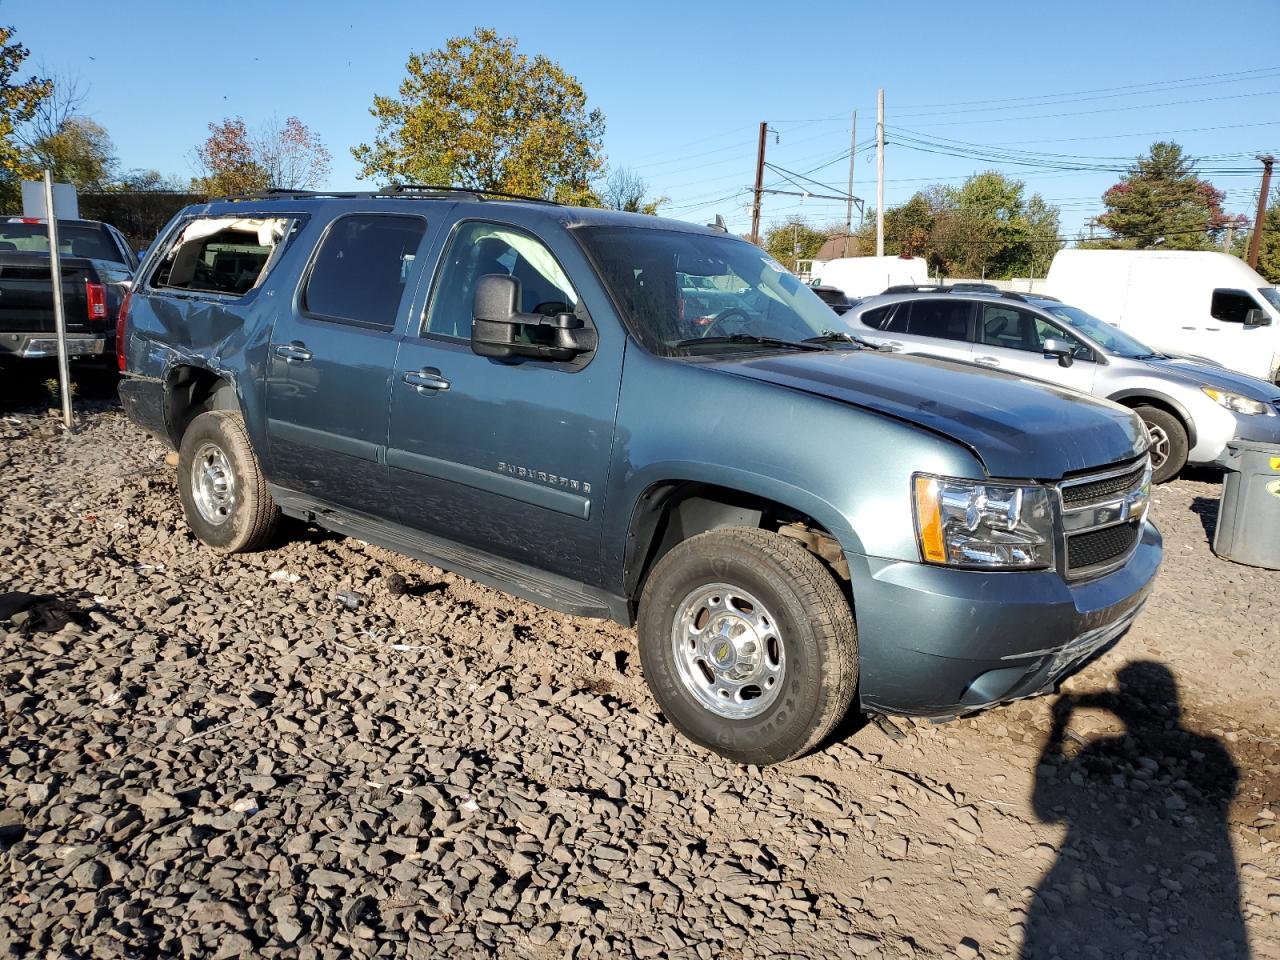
[[938, 642], [1254, 428], [30, 346]]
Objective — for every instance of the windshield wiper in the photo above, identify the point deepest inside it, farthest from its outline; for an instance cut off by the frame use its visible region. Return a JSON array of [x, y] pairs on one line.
[[839, 336], [751, 338]]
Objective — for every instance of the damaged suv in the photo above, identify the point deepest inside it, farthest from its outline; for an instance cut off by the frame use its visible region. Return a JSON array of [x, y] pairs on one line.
[[511, 389]]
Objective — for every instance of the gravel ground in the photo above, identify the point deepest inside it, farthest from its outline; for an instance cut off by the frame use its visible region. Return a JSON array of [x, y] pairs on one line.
[[218, 758]]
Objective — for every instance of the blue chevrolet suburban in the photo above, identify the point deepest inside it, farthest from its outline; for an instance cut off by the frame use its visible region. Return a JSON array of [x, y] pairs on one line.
[[521, 392]]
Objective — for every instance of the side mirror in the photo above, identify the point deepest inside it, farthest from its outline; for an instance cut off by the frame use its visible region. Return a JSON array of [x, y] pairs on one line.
[[1061, 349], [1257, 318], [496, 322]]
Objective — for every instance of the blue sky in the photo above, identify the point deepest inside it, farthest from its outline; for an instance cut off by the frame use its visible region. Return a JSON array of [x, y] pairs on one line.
[[683, 86]]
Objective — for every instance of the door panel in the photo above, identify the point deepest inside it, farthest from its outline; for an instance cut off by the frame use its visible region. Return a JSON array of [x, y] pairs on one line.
[[1011, 339], [507, 457], [330, 362]]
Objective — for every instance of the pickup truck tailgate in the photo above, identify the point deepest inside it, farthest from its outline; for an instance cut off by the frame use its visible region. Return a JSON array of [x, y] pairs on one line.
[[26, 293]]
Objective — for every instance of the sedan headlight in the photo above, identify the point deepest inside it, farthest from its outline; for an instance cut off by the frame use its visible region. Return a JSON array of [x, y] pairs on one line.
[[1238, 404], [993, 526]]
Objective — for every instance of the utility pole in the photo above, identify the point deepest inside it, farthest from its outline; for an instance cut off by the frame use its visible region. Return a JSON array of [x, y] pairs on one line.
[[1230, 235], [853, 155], [755, 206], [880, 173], [1256, 240]]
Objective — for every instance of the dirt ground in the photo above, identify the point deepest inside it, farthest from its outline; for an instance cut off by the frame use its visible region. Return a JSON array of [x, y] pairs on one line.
[[218, 757]]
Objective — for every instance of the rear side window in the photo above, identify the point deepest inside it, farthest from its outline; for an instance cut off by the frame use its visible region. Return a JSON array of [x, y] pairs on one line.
[[940, 319], [74, 240], [361, 269], [228, 255], [874, 318], [1231, 306]]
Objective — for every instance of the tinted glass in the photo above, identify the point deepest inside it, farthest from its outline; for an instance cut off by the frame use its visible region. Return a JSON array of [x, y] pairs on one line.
[[875, 318], [1230, 306], [361, 269], [940, 319], [741, 292], [1019, 330], [483, 249], [74, 240]]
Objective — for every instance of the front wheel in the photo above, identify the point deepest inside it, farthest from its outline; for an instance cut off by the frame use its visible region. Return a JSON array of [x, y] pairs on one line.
[[748, 644], [1169, 442]]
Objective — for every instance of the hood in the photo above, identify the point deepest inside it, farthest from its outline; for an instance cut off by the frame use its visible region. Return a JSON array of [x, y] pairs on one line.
[[1198, 373], [1016, 427]]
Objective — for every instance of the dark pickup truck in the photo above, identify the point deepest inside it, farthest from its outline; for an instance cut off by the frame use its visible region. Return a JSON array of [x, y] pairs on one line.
[[512, 390], [97, 270]]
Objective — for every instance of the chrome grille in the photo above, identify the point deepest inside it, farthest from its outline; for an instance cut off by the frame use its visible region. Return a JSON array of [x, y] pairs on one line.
[[1102, 517]]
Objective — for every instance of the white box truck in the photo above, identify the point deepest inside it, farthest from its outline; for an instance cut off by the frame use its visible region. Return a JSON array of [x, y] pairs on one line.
[[867, 276], [1187, 302]]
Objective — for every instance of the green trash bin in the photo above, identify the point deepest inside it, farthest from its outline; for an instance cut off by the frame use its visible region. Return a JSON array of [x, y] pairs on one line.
[[1249, 515]]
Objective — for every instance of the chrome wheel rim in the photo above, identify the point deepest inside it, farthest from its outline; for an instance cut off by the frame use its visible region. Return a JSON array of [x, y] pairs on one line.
[[728, 651], [1159, 445], [213, 484]]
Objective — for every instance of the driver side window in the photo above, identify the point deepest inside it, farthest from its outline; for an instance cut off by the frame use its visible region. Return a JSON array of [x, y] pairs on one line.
[[484, 249], [1016, 329]]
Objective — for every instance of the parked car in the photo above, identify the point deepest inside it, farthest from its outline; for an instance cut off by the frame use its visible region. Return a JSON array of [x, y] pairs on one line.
[[1185, 302], [866, 276], [97, 268], [834, 298], [1192, 410], [508, 389]]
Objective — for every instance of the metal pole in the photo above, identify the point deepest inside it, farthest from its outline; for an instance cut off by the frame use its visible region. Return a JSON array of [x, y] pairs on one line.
[[1256, 240], [880, 173], [755, 206], [853, 155], [59, 309]]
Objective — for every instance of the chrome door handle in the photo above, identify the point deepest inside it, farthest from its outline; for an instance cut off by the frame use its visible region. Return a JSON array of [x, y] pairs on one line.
[[293, 352], [425, 379], [987, 361]]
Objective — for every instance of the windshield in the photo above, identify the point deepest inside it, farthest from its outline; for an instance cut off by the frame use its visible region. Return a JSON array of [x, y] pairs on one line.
[[73, 240], [689, 293], [1271, 295], [1101, 333]]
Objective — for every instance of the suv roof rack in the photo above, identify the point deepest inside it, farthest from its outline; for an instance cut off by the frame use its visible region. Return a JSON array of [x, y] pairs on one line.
[[399, 190]]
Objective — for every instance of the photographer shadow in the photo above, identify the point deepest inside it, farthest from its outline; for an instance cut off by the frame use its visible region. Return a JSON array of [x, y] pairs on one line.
[[1147, 868]]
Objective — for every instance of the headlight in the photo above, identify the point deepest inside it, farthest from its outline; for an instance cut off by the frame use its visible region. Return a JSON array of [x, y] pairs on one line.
[[994, 526], [1236, 403]]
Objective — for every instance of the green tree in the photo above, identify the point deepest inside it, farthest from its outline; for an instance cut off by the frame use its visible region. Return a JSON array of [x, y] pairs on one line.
[[1160, 202], [227, 163], [78, 152], [795, 239], [18, 103], [478, 114]]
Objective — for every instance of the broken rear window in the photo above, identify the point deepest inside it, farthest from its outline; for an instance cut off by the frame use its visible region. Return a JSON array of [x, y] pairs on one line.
[[228, 255]]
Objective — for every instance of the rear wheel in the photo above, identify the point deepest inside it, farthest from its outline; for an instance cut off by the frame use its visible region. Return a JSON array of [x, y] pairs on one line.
[[224, 494], [748, 644], [1169, 443]]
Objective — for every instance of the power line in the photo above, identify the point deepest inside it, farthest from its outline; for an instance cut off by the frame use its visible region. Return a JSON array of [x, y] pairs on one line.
[[1086, 113], [1102, 93]]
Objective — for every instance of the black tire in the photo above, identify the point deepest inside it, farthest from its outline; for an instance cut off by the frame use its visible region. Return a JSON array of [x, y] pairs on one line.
[[248, 514], [814, 625], [1174, 446]]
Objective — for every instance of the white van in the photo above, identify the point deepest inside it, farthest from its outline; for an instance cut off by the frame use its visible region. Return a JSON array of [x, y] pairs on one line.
[[1191, 302], [867, 276]]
